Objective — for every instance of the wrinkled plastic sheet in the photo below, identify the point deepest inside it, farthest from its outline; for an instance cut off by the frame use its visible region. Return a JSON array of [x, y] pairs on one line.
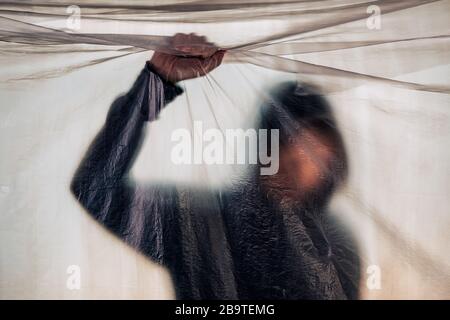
[[388, 89]]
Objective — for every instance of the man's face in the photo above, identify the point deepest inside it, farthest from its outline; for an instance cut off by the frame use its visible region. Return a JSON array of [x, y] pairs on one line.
[[306, 165]]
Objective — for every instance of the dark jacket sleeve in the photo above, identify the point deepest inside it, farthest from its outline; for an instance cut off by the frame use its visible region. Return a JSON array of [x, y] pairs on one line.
[[101, 185]]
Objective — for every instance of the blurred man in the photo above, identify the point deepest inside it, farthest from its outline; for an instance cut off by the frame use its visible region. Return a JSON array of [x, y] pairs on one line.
[[266, 237]]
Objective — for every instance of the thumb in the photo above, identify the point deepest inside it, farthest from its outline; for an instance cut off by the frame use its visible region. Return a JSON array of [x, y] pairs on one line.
[[213, 62]]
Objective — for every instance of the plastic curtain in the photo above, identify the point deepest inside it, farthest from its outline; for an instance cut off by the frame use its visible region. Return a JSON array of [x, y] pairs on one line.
[[383, 67]]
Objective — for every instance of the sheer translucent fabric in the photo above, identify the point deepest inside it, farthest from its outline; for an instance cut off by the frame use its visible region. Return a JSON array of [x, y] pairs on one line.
[[388, 87]]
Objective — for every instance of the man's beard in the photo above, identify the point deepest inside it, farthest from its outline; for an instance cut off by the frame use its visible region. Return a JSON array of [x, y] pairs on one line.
[[290, 197]]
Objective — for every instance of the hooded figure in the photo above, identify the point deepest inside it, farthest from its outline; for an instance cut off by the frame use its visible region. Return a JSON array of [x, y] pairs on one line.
[[265, 237]]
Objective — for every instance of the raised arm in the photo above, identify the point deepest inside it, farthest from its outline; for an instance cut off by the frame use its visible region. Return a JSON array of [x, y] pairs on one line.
[[100, 184]]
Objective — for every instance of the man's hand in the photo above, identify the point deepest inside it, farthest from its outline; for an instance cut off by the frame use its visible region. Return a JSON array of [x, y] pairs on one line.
[[196, 58]]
